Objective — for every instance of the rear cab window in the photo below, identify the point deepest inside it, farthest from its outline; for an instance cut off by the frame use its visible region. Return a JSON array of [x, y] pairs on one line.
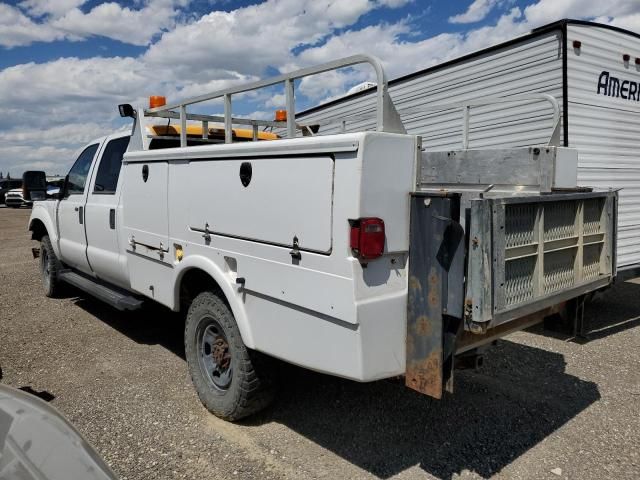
[[109, 168]]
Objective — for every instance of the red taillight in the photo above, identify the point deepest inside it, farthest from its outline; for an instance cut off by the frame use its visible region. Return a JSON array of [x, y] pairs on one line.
[[367, 238]]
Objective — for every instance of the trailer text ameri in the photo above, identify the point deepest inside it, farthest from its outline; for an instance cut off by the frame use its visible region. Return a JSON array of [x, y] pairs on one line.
[[355, 254]]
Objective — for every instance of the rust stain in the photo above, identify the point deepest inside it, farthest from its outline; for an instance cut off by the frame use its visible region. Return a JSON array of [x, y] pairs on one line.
[[425, 376], [433, 276], [423, 325], [414, 283], [434, 288], [433, 299]]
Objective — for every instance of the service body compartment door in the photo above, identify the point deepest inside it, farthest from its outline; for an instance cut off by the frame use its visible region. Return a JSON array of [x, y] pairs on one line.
[[145, 212], [145, 220], [267, 200]]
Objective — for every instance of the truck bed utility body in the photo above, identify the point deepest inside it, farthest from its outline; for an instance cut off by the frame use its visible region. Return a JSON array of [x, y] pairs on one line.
[[355, 254]]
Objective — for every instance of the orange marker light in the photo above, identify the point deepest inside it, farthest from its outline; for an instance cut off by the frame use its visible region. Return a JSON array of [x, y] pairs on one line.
[[281, 115], [157, 101]]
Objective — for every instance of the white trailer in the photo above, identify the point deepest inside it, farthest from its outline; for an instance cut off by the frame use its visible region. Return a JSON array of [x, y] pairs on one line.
[[592, 70], [354, 254]]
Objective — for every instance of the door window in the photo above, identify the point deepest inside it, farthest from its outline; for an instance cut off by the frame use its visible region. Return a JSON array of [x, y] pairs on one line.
[[80, 170], [109, 169]]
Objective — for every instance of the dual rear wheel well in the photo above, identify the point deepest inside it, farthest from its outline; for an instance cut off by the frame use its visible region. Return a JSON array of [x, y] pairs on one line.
[[193, 283]]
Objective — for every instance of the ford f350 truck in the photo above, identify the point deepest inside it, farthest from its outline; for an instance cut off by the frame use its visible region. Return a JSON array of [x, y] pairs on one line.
[[357, 254]]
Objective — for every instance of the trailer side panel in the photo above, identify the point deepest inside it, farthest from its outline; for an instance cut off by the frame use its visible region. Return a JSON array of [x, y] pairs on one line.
[[604, 114]]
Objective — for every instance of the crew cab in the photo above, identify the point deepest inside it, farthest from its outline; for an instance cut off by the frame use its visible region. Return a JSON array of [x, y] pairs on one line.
[[356, 254]]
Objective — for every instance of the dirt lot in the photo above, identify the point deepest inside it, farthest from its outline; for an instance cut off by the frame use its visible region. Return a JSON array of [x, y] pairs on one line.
[[541, 407]]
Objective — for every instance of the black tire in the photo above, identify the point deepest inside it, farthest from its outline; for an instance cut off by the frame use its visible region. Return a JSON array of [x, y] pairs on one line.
[[231, 381], [49, 268]]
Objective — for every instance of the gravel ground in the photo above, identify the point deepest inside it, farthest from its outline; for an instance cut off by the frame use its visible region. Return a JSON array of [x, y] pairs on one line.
[[540, 407]]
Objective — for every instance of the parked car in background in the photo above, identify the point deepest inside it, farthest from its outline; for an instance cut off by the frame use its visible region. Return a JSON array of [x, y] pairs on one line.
[[7, 184], [15, 199]]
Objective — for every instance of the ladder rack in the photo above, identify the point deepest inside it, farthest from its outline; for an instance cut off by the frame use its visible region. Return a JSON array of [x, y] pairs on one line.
[[387, 118]]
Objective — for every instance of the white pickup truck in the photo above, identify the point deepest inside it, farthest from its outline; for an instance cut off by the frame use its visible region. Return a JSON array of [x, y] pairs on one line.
[[358, 255]]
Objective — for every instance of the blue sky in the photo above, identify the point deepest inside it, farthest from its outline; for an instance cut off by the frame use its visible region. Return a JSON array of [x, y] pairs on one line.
[[66, 64]]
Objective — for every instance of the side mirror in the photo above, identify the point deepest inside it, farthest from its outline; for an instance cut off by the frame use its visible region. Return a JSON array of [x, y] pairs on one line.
[[34, 185], [62, 194], [126, 110]]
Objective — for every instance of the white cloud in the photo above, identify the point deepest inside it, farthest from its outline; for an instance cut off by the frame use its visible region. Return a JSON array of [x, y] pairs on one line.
[[64, 134], [275, 101], [55, 8], [18, 158], [249, 39], [64, 20], [630, 22], [111, 20], [17, 29], [393, 3], [545, 11], [477, 11]]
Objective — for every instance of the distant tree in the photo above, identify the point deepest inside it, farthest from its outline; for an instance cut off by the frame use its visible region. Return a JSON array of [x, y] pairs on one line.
[[1, 176]]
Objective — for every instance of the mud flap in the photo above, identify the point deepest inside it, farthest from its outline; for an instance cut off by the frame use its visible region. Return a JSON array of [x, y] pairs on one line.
[[436, 291]]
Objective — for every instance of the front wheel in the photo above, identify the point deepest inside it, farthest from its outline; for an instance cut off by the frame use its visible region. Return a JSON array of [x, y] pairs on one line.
[[49, 268], [231, 381]]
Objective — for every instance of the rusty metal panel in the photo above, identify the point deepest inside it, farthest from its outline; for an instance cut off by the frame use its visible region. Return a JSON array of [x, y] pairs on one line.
[[479, 301], [436, 285]]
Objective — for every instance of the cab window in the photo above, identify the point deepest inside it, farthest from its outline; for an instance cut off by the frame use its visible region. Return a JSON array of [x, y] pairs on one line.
[[80, 170], [109, 169]]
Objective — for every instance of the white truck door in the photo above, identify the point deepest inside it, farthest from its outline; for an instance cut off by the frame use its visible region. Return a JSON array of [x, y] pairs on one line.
[[101, 215], [71, 215]]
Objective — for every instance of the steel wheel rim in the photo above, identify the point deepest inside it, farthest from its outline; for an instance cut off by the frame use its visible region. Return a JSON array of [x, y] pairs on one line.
[[214, 355]]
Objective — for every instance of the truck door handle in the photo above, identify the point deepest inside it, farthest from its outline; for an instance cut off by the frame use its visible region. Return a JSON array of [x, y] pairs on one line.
[[80, 216], [112, 219]]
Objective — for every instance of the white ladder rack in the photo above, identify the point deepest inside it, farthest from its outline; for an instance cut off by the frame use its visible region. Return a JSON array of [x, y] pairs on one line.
[[387, 118]]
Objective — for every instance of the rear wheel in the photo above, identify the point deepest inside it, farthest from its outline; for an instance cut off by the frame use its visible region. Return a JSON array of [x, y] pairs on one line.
[[49, 268], [232, 381]]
